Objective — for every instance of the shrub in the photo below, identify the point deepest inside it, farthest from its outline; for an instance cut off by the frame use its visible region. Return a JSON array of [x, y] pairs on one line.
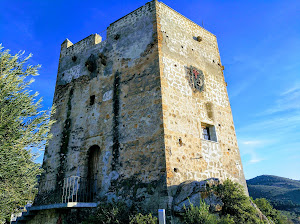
[[236, 203], [143, 219], [267, 209], [226, 220], [113, 213], [199, 215]]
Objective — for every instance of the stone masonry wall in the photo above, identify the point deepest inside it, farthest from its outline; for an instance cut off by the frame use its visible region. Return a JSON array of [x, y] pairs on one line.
[[188, 155], [125, 121], [131, 96]]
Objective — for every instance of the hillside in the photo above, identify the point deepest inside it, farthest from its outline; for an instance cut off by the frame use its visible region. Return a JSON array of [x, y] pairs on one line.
[[283, 193]]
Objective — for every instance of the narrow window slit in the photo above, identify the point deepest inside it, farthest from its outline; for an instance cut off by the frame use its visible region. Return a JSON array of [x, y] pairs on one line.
[[92, 100]]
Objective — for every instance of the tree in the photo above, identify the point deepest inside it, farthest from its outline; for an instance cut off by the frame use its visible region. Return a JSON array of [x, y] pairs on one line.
[[236, 203], [23, 126], [272, 214]]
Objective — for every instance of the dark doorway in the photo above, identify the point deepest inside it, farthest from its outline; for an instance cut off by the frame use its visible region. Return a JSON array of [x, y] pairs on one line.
[[94, 161]]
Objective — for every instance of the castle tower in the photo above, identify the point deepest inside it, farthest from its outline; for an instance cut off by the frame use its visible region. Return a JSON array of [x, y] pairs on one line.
[[141, 112]]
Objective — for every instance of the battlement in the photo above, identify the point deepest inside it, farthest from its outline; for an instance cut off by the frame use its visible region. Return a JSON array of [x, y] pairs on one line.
[[117, 27], [67, 47], [143, 11]]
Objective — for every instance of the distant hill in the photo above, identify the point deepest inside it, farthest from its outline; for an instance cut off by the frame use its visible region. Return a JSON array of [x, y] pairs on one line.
[[283, 193]]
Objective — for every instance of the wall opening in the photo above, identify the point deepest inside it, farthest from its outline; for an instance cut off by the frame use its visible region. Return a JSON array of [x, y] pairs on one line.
[[93, 162], [92, 100], [199, 39], [180, 141], [208, 132]]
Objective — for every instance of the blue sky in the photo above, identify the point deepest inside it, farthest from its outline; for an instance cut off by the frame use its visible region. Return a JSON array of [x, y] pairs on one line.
[[259, 43]]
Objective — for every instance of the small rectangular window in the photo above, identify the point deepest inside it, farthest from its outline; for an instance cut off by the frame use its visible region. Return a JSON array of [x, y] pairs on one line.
[[92, 100], [205, 133], [208, 132]]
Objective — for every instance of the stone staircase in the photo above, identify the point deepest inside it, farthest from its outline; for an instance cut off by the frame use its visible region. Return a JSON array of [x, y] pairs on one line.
[[30, 212], [75, 193], [26, 215]]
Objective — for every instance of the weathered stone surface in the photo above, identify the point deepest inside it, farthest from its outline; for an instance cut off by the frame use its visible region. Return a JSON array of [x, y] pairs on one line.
[[131, 96], [185, 110], [191, 192]]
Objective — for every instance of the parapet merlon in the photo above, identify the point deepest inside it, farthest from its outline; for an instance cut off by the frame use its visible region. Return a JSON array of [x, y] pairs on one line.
[[68, 47]]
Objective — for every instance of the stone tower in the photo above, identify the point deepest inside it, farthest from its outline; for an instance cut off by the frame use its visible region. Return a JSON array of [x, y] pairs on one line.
[[142, 111]]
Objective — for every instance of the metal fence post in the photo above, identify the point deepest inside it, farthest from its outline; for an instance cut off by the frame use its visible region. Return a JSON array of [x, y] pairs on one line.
[[161, 216]]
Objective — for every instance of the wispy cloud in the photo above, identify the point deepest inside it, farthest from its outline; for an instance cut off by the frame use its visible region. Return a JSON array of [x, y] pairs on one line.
[[289, 100], [253, 142], [292, 89], [249, 147], [272, 126], [273, 132], [237, 90]]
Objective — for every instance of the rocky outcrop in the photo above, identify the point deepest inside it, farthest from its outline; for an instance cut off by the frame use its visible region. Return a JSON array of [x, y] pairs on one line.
[[191, 192]]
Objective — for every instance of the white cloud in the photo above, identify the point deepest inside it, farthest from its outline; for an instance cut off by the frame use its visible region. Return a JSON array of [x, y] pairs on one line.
[[249, 147], [255, 160], [253, 142], [291, 89], [251, 152], [289, 100]]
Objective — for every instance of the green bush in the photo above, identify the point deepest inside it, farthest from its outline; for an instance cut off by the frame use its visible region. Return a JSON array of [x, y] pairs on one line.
[[143, 219], [236, 203], [118, 213], [226, 220], [113, 213], [237, 208], [199, 215], [267, 209]]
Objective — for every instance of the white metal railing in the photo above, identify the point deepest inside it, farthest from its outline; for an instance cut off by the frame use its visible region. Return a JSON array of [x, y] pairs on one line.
[[77, 189], [70, 189]]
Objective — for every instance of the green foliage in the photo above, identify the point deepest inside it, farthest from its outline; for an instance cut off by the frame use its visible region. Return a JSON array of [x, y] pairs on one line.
[[199, 215], [267, 209], [292, 217], [143, 219], [282, 193], [226, 220], [118, 213], [22, 126], [236, 203], [111, 213], [237, 208]]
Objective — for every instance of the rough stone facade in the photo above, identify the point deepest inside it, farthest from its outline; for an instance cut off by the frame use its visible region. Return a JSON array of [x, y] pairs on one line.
[[131, 96], [185, 110]]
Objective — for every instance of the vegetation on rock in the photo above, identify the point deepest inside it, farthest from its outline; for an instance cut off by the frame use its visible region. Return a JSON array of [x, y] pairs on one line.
[[272, 214], [110, 213], [118, 213], [143, 219], [236, 203], [237, 209], [201, 215]]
